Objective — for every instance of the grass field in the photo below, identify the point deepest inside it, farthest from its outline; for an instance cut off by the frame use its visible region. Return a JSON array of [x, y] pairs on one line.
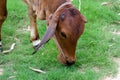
[[95, 49]]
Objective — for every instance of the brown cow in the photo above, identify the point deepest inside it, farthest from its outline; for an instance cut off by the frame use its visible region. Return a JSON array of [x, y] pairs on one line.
[[3, 15], [64, 23]]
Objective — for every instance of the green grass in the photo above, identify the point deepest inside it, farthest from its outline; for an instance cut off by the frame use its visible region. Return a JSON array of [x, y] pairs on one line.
[[95, 49]]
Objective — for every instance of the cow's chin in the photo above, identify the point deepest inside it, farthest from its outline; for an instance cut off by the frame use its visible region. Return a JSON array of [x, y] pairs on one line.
[[63, 61]]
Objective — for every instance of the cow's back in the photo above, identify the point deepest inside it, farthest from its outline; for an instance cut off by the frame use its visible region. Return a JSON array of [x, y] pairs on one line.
[[44, 8]]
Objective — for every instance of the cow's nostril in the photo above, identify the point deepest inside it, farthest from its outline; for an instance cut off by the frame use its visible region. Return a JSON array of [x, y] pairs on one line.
[[69, 63]]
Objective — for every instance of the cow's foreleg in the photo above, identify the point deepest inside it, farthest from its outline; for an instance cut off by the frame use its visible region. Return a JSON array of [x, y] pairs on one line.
[[1, 22], [2, 19], [34, 36], [3, 15]]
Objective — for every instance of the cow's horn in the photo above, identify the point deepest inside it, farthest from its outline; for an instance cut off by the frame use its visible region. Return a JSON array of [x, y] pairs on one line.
[[49, 33]]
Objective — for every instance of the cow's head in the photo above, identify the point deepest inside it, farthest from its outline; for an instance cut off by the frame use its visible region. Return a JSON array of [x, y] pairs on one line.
[[66, 27]]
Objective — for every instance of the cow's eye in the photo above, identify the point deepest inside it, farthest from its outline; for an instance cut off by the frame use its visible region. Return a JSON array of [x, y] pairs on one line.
[[63, 35]]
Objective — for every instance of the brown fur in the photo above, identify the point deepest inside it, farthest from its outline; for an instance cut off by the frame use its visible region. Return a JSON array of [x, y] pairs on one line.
[[3, 15], [70, 25]]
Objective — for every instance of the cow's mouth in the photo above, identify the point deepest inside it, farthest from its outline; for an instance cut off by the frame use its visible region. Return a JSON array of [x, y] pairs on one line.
[[64, 60]]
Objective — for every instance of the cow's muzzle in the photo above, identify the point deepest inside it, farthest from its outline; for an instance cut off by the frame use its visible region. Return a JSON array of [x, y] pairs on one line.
[[68, 61]]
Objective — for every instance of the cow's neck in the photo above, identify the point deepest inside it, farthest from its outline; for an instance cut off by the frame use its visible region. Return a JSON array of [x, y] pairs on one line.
[[54, 5], [47, 7]]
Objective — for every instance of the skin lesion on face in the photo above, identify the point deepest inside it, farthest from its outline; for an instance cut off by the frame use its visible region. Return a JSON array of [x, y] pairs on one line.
[[62, 16]]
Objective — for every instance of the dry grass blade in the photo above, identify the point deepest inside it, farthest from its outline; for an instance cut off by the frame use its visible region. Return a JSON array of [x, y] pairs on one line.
[[37, 70], [119, 14], [79, 5], [11, 77], [106, 3], [116, 22], [11, 48]]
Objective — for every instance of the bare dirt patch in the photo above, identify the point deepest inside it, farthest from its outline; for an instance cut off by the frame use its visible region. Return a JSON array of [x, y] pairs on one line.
[[117, 77], [96, 69], [23, 29]]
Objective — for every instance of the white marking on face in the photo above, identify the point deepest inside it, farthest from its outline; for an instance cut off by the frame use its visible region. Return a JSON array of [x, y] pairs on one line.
[[35, 43]]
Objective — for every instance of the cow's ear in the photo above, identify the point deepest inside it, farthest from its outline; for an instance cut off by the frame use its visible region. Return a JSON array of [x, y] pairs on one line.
[[84, 19]]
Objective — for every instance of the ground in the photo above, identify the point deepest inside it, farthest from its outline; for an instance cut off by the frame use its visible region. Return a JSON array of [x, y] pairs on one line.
[[117, 76], [96, 52]]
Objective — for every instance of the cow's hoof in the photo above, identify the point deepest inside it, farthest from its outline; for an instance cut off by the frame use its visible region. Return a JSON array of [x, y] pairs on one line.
[[37, 47], [36, 42]]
